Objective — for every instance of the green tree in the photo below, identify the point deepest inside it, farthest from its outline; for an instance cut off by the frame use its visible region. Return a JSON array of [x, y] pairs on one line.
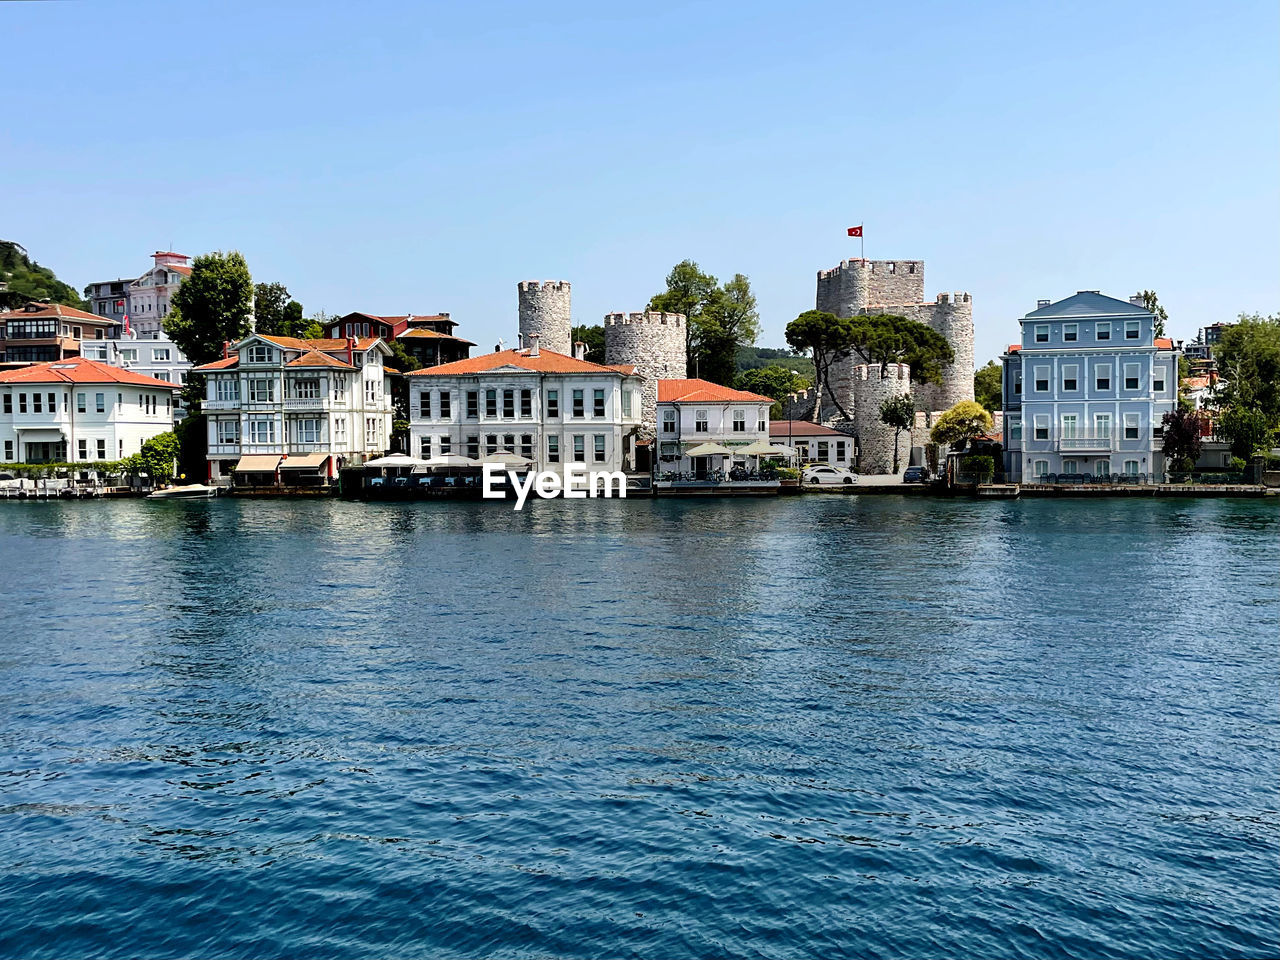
[[401, 359], [269, 302], [734, 311], [899, 413], [593, 337], [827, 338], [887, 338], [211, 306], [25, 281], [987, 386], [293, 323], [1152, 305], [772, 381], [719, 318], [158, 456], [1248, 431], [966, 420], [1183, 438]]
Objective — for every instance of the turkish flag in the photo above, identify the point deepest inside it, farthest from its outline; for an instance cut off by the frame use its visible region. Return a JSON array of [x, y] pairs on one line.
[[855, 231]]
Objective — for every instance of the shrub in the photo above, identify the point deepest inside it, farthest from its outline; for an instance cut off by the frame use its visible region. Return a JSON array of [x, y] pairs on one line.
[[979, 467]]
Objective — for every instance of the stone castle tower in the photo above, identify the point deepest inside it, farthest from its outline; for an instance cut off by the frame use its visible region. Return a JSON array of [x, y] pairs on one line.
[[544, 310], [655, 344], [897, 286], [872, 385]]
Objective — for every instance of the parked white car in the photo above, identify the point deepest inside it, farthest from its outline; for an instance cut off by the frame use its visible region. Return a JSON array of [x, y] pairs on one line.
[[824, 474]]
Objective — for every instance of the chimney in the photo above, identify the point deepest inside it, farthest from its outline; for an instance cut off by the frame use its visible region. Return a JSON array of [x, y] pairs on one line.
[[579, 350], [1137, 300], [226, 349], [351, 351], [1041, 304], [533, 345], [519, 341]]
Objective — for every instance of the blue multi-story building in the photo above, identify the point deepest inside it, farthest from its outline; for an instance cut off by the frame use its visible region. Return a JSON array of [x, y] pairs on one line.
[[1086, 389]]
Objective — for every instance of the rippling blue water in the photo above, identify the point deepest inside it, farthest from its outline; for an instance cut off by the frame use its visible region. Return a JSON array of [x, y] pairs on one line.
[[832, 726]]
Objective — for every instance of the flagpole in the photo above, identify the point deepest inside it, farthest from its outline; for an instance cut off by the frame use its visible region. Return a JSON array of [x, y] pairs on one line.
[[862, 242]]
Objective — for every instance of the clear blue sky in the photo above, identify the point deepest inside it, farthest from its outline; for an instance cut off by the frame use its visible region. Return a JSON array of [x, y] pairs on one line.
[[394, 157]]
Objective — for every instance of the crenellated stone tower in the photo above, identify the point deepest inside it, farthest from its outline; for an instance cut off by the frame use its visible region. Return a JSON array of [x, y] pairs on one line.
[[655, 343], [544, 310], [872, 385], [897, 286]]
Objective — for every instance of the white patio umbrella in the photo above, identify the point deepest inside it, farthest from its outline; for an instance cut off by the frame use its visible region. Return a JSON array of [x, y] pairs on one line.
[[449, 460], [760, 448], [508, 459], [395, 460], [709, 449]]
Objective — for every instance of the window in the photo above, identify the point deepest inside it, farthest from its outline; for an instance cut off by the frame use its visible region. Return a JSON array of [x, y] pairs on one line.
[[579, 409], [553, 403], [228, 431], [840, 451], [37, 403], [8, 403], [1042, 333], [1102, 468], [1102, 426], [129, 353], [1041, 428], [259, 353], [160, 355], [262, 391], [424, 405], [599, 443], [446, 444], [22, 403], [668, 421], [491, 403], [579, 456], [1102, 331], [262, 430], [308, 431], [228, 389], [340, 430], [308, 389], [82, 450], [1069, 426], [1015, 431], [424, 448], [8, 449], [1070, 332], [626, 403], [1017, 386], [161, 375], [739, 421], [597, 403], [1131, 426], [509, 404], [102, 449], [372, 390], [1131, 467], [490, 444], [1157, 381], [371, 431], [1131, 376], [1102, 378], [1069, 377], [473, 446], [1041, 468], [824, 450], [553, 449], [446, 413], [700, 421], [53, 403], [1042, 379], [526, 403], [340, 386], [509, 443], [1132, 329], [100, 402], [473, 405]]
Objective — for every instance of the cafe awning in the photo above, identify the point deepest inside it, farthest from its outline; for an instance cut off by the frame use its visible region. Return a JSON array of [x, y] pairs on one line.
[[307, 461], [258, 463], [709, 450], [759, 448]]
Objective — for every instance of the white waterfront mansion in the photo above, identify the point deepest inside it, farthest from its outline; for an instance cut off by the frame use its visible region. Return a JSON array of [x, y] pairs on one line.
[[549, 407], [79, 410], [294, 410], [697, 414]]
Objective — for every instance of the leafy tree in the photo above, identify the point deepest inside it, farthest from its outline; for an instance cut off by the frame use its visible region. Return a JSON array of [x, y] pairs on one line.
[[987, 386], [828, 338], [293, 323], [593, 337], [1152, 305], [211, 306], [269, 300], [734, 310], [1183, 432], [966, 420], [899, 413], [311, 330], [719, 318], [1248, 431], [773, 381], [401, 359], [754, 358], [25, 280], [1248, 359], [886, 338], [158, 456]]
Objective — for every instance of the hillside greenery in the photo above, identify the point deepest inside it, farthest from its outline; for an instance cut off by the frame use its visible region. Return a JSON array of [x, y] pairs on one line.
[[26, 280]]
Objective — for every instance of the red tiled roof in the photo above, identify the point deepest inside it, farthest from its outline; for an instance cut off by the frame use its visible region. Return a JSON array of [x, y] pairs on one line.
[[426, 334], [628, 368], [314, 358], [52, 310], [547, 361], [80, 370], [179, 268], [1195, 383], [1164, 343], [222, 364], [1015, 347], [170, 253], [802, 428], [704, 391]]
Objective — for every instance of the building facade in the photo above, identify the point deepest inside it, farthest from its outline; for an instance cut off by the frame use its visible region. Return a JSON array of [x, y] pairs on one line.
[[1085, 390], [815, 443], [428, 338], [550, 407], [149, 295], [693, 412], [294, 410], [79, 410], [48, 332]]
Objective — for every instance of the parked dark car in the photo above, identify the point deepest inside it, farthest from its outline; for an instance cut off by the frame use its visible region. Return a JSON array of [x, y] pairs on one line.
[[916, 475]]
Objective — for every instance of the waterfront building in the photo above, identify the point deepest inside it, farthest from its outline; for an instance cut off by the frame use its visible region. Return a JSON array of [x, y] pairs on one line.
[[77, 410], [285, 409], [47, 332], [691, 413], [430, 339], [1086, 389], [814, 442], [549, 407]]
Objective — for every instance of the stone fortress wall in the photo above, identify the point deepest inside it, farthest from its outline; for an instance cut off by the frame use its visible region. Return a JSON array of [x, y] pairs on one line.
[[544, 310], [872, 385], [655, 343]]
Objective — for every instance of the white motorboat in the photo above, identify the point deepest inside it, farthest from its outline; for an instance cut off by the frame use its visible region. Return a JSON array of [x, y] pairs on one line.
[[188, 491]]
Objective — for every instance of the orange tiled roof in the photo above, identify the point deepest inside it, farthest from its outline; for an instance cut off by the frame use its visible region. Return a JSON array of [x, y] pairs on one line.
[[425, 334], [222, 364], [314, 358], [1195, 383], [704, 391], [80, 370], [1015, 347], [1164, 343], [178, 268], [628, 368], [802, 428], [547, 361], [53, 310]]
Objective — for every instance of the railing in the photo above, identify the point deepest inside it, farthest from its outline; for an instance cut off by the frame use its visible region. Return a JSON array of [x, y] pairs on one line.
[[1082, 441], [220, 404], [306, 403]]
